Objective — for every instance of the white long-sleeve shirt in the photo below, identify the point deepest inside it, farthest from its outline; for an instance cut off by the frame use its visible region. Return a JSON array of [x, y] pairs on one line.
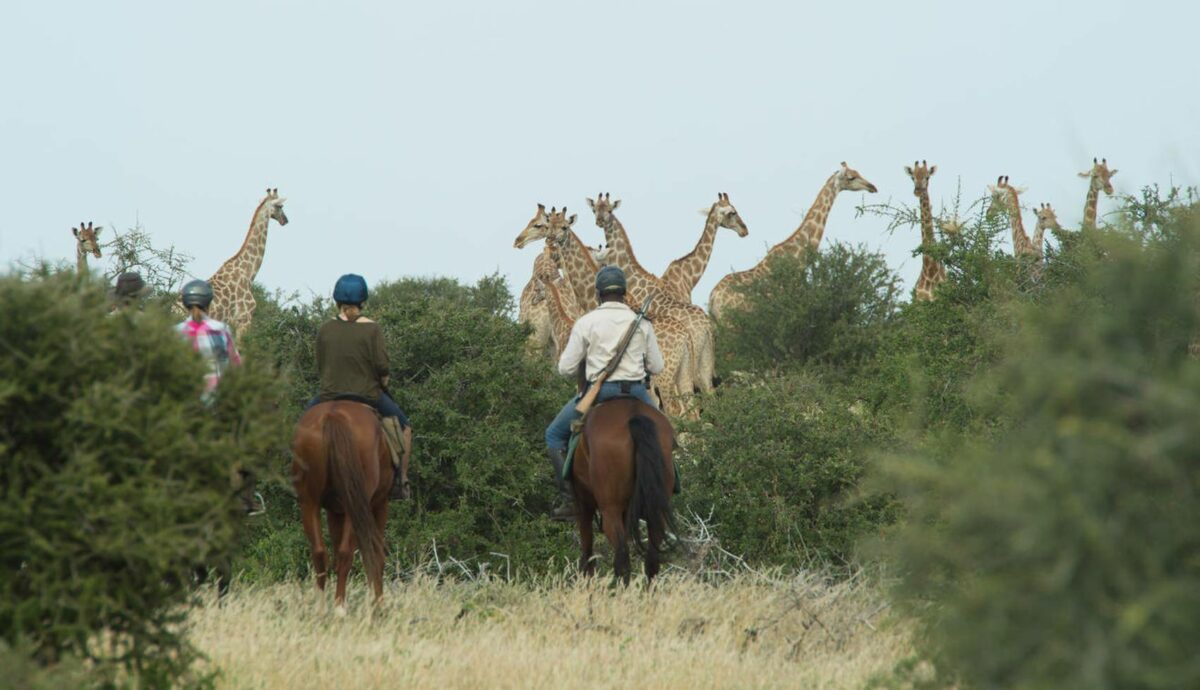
[[596, 335]]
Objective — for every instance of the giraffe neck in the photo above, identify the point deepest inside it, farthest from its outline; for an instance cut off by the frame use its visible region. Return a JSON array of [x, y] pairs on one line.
[[545, 266], [812, 228], [682, 275], [579, 270], [560, 321], [926, 219], [1039, 231], [81, 262], [1089, 206], [622, 248], [243, 266], [1020, 239]]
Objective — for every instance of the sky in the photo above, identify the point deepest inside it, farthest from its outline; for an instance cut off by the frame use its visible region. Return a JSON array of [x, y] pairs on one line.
[[417, 139]]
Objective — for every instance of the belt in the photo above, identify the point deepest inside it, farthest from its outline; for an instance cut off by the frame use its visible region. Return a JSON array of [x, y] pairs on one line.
[[626, 386]]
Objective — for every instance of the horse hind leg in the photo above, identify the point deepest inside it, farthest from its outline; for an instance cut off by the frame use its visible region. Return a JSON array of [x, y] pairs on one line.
[[375, 576], [310, 517], [585, 512], [614, 529], [343, 539]]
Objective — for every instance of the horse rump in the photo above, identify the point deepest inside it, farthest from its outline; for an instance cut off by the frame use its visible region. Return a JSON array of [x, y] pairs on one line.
[[348, 482]]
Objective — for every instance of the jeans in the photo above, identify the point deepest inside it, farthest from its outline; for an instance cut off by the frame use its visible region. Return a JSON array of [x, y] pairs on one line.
[[386, 406], [558, 434]]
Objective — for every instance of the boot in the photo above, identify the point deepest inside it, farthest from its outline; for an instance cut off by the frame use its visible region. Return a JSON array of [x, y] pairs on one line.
[[565, 510], [395, 442]]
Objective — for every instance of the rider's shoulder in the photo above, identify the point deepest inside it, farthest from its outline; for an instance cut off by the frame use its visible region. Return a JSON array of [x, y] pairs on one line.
[[215, 325], [363, 319]]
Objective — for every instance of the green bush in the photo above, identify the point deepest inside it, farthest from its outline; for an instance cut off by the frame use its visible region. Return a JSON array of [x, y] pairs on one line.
[[115, 481], [830, 308], [777, 463], [478, 405], [1061, 550]]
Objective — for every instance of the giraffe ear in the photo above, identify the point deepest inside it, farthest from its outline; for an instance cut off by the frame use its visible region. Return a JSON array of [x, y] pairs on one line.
[[97, 230], [75, 232], [1086, 173], [1112, 172], [591, 203], [541, 208], [932, 169], [615, 204], [908, 170], [571, 220]]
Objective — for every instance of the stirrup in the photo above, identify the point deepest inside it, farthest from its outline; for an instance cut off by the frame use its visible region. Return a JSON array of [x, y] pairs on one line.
[[259, 508]]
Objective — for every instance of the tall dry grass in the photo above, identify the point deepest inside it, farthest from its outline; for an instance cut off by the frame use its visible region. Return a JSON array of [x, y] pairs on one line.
[[751, 630]]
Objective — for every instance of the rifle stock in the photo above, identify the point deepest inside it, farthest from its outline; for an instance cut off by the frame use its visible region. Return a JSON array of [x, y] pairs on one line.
[[585, 403]]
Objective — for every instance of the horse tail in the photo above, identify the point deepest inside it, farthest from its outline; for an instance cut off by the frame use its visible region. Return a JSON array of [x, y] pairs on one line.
[[651, 501], [351, 490]]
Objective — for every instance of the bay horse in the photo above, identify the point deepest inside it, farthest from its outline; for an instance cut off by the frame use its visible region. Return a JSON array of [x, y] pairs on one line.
[[341, 463], [623, 468]]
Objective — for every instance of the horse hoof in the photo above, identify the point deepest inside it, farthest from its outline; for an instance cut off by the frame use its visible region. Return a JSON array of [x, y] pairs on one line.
[[340, 610]]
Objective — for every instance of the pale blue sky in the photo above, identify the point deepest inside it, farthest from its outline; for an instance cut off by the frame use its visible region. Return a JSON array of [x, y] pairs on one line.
[[416, 139]]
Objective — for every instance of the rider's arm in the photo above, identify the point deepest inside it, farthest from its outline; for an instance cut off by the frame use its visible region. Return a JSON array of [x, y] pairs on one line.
[[235, 358], [654, 356], [573, 353], [379, 354]]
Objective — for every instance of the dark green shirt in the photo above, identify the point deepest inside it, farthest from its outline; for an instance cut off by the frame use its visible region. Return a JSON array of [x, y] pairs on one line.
[[351, 359]]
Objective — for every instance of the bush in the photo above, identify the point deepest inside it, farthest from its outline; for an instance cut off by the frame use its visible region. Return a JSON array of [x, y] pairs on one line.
[[777, 463], [478, 405], [1061, 550], [830, 308], [115, 481]]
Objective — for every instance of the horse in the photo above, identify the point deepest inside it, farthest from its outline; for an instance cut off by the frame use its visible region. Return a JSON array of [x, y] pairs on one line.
[[623, 468], [342, 464]]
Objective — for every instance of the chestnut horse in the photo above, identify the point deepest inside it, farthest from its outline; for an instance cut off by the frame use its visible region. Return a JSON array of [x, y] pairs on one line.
[[341, 463], [623, 468]]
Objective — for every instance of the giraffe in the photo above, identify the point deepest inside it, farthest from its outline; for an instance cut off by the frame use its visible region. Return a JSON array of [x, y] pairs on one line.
[[932, 270], [233, 302], [643, 283], [561, 319], [579, 269], [1100, 177], [681, 276], [533, 308], [726, 296], [1046, 220], [86, 242], [1007, 197]]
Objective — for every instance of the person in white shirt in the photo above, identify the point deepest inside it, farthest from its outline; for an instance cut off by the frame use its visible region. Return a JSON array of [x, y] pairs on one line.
[[593, 343]]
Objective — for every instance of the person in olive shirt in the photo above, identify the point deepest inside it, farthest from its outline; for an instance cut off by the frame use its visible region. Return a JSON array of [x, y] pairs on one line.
[[352, 363]]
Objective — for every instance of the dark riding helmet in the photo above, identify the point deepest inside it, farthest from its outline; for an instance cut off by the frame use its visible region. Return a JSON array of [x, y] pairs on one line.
[[197, 293], [129, 285], [610, 280], [350, 289]]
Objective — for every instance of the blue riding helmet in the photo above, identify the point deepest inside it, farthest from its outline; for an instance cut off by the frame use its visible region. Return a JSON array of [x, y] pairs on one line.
[[610, 279], [350, 289]]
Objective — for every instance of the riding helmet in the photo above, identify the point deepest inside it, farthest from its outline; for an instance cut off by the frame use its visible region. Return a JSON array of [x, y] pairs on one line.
[[610, 280], [197, 293], [350, 289]]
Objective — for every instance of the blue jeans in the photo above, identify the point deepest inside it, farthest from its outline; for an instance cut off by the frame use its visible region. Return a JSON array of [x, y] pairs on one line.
[[558, 434], [386, 406]]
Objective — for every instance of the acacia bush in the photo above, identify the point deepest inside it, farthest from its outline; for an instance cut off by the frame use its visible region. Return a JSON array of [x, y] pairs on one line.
[[1060, 550], [478, 404], [115, 481], [830, 308], [777, 462]]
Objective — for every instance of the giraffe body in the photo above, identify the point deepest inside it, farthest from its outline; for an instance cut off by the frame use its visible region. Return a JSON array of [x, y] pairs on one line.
[[683, 273], [932, 270], [233, 302], [534, 305], [1099, 177], [86, 242], [725, 295]]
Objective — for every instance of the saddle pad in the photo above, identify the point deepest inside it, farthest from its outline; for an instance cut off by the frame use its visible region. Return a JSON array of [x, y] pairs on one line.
[[570, 457]]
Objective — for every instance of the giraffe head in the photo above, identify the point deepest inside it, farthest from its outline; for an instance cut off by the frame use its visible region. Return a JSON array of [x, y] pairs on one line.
[[87, 237], [920, 174], [727, 216], [601, 254], [603, 206], [274, 206], [1100, 175], [538, 228], [1005, 195], [559, 224], [849, 180], [1046, 218]]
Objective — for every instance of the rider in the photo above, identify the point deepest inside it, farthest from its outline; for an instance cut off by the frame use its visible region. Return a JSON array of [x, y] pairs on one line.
[[129, 291], [213, 340], [594, 340], [352, 362]]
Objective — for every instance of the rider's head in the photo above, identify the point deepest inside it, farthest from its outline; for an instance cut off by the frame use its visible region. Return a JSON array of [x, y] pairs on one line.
[[350, 291], [130, 288], [196, 296], [610, 284]]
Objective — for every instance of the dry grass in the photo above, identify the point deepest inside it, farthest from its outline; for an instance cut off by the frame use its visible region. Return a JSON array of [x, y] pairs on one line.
[[751, 630]]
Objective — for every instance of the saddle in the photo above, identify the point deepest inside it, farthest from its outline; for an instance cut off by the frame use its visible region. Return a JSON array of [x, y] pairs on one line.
[[391, 427]]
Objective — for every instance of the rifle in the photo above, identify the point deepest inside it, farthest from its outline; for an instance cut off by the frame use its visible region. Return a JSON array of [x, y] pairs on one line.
[[589, 398]]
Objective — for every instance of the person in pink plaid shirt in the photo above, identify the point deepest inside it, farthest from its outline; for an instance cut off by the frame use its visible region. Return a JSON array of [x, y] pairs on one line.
[[209, 337]]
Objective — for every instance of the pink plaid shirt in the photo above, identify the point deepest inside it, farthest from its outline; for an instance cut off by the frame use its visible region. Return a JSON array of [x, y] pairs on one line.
[[214, 342]]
